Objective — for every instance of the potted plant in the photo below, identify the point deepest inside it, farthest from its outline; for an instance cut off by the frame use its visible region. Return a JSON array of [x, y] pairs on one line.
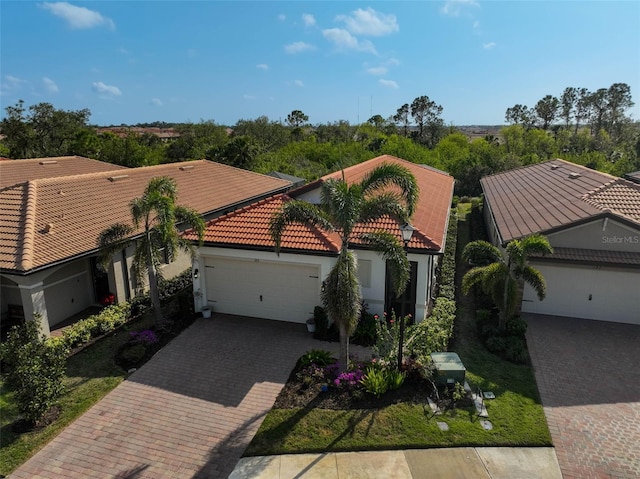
[[311, 325]]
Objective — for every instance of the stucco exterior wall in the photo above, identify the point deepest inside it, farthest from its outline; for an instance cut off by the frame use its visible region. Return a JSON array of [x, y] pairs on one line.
[[602, 234]]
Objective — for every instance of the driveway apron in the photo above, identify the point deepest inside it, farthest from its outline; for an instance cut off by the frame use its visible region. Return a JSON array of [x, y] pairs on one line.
[[588, 375], [189, 412]]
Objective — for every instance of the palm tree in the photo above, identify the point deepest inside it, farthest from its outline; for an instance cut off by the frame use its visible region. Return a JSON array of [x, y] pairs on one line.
[[500, 277], [342, 207], [157, 214]]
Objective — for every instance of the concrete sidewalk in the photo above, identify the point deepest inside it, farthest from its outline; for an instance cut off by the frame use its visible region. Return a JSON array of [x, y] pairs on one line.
[[451, 463]]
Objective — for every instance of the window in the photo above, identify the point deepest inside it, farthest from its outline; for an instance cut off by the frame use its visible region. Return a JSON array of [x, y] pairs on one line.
[[364, 272]]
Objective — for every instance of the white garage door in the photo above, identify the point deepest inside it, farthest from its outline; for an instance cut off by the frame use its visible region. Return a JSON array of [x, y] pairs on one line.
[[286, 292], [587, 292]]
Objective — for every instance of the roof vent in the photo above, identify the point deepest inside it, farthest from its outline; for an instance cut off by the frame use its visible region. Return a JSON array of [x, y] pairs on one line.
[[573, 175], [48, 162], [555, 167], [186, 168], [115, 178], [47, 228]]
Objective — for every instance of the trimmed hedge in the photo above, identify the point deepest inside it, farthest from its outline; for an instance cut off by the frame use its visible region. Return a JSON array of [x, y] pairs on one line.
[[447, 273]]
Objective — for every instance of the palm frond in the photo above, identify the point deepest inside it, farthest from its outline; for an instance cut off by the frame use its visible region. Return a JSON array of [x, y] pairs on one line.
[[393, 174], [472, 277], [387, 203], [536, 244], [112, 240], [192, 218], [535, 279], [296, 212], [343, 203], [341, 292], [481, 253], [392, 251]]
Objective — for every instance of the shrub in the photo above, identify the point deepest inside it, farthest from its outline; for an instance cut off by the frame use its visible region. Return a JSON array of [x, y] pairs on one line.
[[131, 354], [516, 327], [395, 378], [496, 344], [365, 333], [516, 350], [447, 269], [375, 381], [145, 336], [104, 322], [319, 357], [434, 333], [35, 368], [349, 379]]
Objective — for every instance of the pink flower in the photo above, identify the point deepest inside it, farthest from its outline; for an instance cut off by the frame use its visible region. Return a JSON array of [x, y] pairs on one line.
[[375, 316]]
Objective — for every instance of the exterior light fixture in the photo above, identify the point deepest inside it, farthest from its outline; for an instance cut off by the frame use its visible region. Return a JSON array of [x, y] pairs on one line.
[[407, 232]]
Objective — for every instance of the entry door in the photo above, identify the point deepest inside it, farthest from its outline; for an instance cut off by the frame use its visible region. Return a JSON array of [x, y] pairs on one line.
[[406, 303]]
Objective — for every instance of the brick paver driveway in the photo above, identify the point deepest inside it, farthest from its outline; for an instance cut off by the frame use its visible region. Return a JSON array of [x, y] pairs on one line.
[[588, 374], [189, 412]]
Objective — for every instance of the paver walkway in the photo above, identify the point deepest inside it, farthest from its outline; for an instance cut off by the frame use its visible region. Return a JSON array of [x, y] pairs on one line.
[[189, 412], [588, 375]]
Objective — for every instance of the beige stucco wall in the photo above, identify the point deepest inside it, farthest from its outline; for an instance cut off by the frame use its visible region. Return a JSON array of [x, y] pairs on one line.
[[602, 234], [68, 291]]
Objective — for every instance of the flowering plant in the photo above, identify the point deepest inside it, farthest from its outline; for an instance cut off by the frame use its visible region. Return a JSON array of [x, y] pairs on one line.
[[144, 337], [108, 299]]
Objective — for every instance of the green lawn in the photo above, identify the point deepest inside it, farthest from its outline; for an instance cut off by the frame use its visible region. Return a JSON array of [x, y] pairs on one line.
[[516, 414], [91, 374]]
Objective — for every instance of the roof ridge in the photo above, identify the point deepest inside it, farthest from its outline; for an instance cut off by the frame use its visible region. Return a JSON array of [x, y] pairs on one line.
[[28, 239], [244, 209]]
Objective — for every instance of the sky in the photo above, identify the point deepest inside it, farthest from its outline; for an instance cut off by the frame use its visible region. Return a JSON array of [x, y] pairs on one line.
[[185, 61]]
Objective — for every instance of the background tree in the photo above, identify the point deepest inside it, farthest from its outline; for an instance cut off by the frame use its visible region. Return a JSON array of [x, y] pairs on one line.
[[568, 104], [402, 119], [342, 207], [426, 114], [156, 214], [240, 151], [267, 135], [547, 110], [297, 119], [500, 277]]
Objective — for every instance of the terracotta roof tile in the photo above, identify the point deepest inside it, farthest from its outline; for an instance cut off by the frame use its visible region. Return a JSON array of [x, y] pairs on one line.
[[19, 171], [436, 190], [553, 194], [249, 227], [68, 213]]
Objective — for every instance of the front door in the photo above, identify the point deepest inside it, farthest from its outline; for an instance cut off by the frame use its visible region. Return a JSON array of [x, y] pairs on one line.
[[100, 280], [406, 303]]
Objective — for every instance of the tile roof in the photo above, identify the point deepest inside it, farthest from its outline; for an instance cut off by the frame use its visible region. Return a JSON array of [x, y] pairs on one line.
[[19, 171], [554, 194], [579, 255], [48, 220], [249, 227]]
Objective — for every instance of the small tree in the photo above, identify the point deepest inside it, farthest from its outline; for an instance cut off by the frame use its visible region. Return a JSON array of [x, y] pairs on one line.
[[500, 277], [34, 368]]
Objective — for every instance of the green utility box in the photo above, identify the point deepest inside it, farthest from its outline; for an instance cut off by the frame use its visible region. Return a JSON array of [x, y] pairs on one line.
[[449, 368]]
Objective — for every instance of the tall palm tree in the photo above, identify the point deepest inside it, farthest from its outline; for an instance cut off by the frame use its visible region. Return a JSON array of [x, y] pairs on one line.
[[342, 207], [157, 214], [500, 277]]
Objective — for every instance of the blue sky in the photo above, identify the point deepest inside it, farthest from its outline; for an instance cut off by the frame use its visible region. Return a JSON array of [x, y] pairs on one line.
[[131, 62]]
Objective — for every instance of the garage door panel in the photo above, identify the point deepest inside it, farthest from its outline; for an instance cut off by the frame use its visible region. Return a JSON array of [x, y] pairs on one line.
[[587, 292], [278, 291]]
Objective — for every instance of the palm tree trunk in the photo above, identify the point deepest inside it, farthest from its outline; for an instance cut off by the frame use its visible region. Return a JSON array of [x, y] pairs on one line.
[[343, 361], [154, 293]]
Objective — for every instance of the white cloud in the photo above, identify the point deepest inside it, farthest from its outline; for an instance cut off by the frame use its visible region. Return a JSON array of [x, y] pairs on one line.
[[156, 102], [308, 20], [298, 83], [377, 70], [369, 22], [388, 83], [102, 88], [343, 40], [488, 46], [298, 47], [246, 96], [476, 25], [262, 66], [78, 17], [454, 7], [11, 84], [50, 85], [282, 17]]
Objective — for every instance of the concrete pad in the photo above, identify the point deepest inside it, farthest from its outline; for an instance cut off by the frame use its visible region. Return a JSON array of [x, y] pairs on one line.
[[259, 467], [365, 465], [309, 466], [454, 463], [520, 462]]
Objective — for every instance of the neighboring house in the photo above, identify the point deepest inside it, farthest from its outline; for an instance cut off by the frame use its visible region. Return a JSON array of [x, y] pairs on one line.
[[634, 176], [239, 272], [53, 209], [295, 180], [591, 219]]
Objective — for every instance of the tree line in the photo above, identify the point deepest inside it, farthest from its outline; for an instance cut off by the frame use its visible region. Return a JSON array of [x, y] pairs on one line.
[[591, 129]]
